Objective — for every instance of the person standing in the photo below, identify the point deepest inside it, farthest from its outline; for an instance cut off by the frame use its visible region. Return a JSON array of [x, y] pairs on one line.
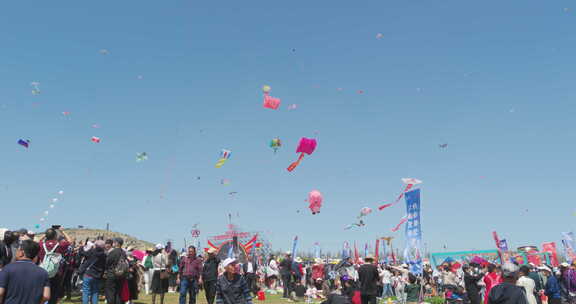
[[5, 249], [148, 269], [506, 292], [369, 277], [552, 287], [189, 276], [231, 288], [210, 275], [527, 283], [472, 276], [272, 275], [23, 282], [387, 283], [114, 279], [55, 250], [286, 274], [93, 271], [159, 285], [491, 279]]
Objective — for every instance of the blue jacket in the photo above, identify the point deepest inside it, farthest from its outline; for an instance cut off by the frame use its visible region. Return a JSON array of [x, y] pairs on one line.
[[552, 289]]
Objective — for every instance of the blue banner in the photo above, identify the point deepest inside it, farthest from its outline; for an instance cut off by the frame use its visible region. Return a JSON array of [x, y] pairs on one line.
[[294, 247], [413, 232]]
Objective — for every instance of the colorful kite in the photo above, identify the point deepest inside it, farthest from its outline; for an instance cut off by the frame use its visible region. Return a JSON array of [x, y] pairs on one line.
[[410, 182], [315, 199], [292, 107], [275, 144], [271, 102], [224, 156], [35, 88], [306, 146], [140, 157], [442, 146], [365, 211], [266, 89], [24, 143], [95, 139]]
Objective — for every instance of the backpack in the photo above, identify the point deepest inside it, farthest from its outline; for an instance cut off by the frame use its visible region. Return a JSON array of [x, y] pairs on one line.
[[121, 268], [52, 261], [148, 262]]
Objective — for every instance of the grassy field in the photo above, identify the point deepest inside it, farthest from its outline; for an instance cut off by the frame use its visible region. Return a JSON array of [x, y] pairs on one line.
[[172, 298]]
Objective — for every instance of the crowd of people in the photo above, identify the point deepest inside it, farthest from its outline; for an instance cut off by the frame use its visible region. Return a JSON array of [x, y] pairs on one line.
[[51, 267]]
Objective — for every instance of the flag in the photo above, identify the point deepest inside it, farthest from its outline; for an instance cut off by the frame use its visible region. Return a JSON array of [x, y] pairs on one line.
[[413, 232]]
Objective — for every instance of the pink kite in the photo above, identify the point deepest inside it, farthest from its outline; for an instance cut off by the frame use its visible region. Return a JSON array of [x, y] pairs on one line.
[[306, 146], [315, 200], [271, 102], [402, 221], [95, 139]]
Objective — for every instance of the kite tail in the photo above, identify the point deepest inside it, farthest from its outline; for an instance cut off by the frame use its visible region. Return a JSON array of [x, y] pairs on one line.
[[402, 221], [408, 187], [220, 162], [296, 163]]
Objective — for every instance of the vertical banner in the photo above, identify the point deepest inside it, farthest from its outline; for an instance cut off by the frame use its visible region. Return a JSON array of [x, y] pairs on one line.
[[317, 250], [356, 257], [294, 247], [377, 250], [346, 250], [413, 232], [497, 241], [569, 244], [550, 247], [366, 250]]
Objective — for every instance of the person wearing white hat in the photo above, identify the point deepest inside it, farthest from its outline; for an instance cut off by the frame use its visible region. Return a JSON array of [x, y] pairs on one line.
[[231, 287], [159, 284], [210, 274], [552, 288]]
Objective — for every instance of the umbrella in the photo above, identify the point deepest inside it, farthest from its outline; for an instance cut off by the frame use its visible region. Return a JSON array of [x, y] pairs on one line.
[[138, 254], [478, 260]]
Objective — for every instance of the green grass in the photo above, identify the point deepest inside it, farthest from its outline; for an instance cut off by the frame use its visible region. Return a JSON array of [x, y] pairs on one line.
[[172, 298]]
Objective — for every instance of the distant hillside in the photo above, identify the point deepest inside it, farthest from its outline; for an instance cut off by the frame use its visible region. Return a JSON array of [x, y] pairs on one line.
[[82, 234]]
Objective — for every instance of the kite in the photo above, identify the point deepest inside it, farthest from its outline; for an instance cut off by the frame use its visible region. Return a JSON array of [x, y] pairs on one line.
[[315, 200], [24, 143], [306, 146], [141, 157], [410, 182], [271, 102], [104, 52], [275, 144], [443, 146], [61, 192], [54, 200], [232, 193], [379, 36], [96, 126], [95, 139], [35, 88], [292, 107], [224, 156], [402, 221], [66, 113], [359, 224], [224, 181], [266, 89], [365, 211]]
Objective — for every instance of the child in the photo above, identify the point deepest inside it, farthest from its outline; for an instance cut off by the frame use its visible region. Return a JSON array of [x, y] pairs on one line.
[[412, 290], [311, 294]]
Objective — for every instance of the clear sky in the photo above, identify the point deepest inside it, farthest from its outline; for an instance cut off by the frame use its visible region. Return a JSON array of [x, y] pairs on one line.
[[182, 80]]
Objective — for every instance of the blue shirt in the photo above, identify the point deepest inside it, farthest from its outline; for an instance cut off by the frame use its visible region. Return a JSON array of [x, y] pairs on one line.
[[23, 282], [552, 288]]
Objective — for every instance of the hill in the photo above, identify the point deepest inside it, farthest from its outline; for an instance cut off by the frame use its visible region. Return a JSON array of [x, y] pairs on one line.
[[82, 234]]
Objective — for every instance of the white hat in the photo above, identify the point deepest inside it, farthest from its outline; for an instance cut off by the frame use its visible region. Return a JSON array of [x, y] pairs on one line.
[[298, 260], [565, 264], [212, 250], [288, 253], [544, 267], [228, 261], [159, 246]]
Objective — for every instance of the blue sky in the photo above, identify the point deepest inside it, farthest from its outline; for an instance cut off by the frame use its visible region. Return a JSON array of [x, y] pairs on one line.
[[493, 79]]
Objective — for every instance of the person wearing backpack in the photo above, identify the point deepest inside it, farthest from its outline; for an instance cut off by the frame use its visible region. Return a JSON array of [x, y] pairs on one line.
[[50, 259], [116, 271]]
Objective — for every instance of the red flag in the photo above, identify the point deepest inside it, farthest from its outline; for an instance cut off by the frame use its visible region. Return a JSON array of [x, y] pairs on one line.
[[377, 250]]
